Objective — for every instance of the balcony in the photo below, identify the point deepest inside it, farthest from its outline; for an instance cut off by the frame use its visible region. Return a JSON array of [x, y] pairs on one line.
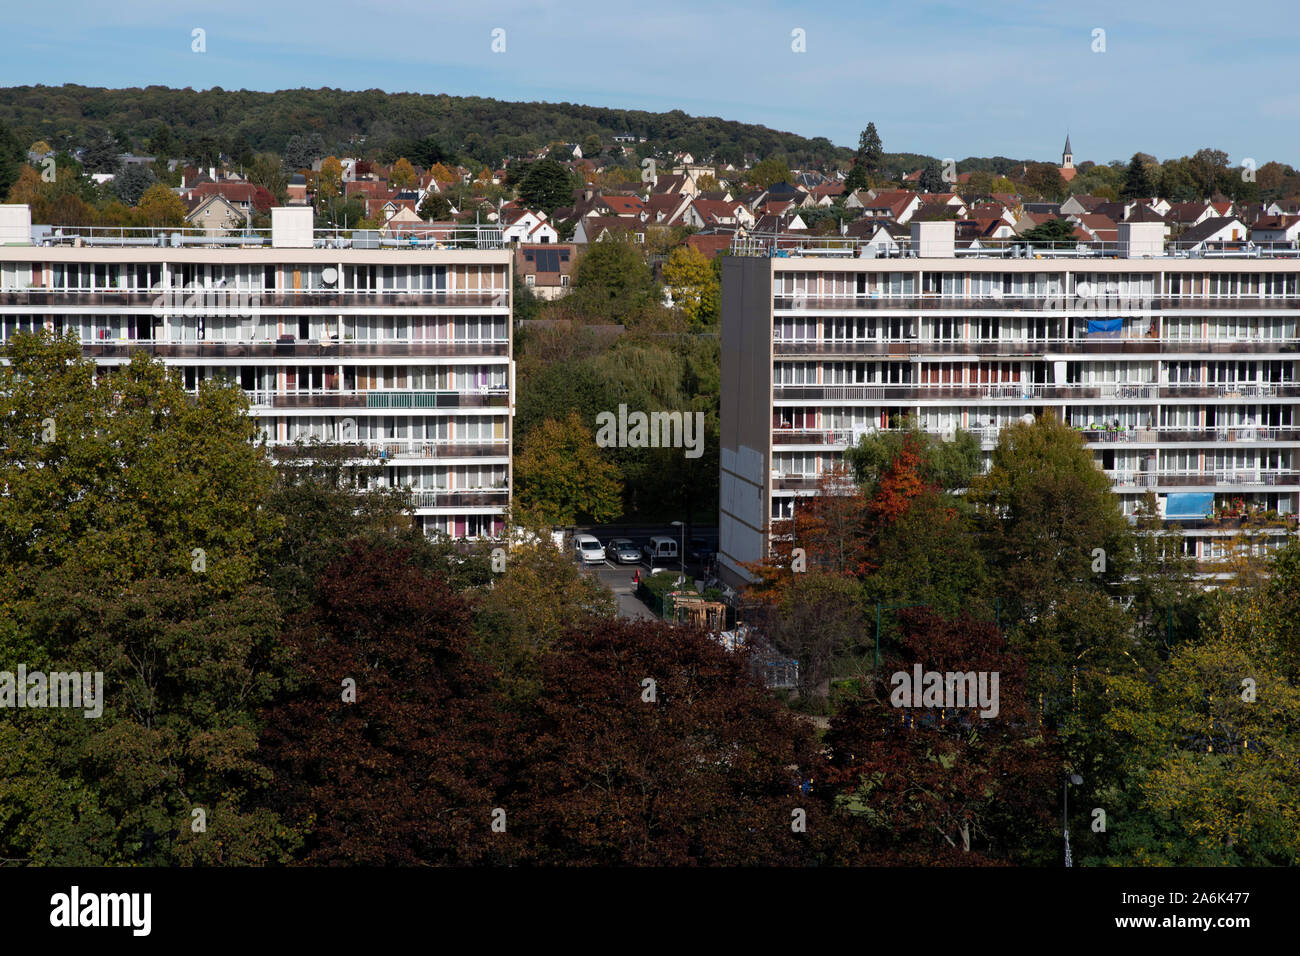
[[1278, 525], [1111, 307], [394, 451], [467, 498], [496, 398], [1006, 391], [839, 437], [233, 301], [1029, 348], [1229, 390], [124, 348], [1234, 479], [1233, 433]]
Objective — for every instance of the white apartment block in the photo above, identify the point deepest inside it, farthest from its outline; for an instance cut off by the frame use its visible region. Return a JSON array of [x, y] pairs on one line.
[[1178, 369], [401, 350]]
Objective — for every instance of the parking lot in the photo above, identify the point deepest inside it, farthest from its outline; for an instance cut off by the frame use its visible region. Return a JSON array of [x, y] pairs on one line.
[[619, 578]]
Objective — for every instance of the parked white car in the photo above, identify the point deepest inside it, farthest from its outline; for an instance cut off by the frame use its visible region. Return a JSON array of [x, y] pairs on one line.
[[588, 550]]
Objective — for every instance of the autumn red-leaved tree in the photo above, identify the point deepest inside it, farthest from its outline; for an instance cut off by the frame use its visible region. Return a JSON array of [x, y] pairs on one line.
[[404, 773], [653, 745], [931, 782]]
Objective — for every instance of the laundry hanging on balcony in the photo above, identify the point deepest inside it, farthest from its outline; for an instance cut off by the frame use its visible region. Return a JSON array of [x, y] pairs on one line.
[[1105, 328]]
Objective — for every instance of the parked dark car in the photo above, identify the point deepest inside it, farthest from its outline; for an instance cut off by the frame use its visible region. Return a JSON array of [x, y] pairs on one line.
[[700, 551]]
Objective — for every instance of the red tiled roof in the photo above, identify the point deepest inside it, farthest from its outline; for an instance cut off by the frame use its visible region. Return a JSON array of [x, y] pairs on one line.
[[710, 245]]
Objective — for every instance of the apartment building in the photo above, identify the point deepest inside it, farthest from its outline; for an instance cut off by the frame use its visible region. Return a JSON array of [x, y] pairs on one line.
[[399, 350], [1178, 368]]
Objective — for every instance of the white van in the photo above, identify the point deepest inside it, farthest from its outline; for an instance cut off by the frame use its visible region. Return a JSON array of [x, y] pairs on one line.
[[587, 549], [660, 549]]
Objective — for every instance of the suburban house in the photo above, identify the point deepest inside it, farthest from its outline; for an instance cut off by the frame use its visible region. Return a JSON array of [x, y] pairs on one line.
[[703, 213], [898, 205], [546, 269], [598, 228], [525, 226], [1213, 233], [216, 215], [1276, 229]]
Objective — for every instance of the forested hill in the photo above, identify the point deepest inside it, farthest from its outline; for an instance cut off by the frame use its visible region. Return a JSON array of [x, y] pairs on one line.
[[484, 129]]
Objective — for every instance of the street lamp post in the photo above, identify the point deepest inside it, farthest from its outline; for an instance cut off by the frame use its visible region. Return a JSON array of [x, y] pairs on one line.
[[1075, 779], [681, 554]]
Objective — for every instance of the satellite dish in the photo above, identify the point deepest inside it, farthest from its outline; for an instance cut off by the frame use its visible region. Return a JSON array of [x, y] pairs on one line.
[[329, 275]]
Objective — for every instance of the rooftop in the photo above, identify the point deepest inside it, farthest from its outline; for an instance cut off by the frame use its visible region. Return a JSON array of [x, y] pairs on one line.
[[786, 244]]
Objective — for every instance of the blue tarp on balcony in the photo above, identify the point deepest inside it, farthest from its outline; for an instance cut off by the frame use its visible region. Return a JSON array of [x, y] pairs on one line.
[[1195, 504], [1105, 328]]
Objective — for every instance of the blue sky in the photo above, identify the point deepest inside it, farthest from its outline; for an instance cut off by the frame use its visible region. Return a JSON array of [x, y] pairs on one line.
[[1008, 77]]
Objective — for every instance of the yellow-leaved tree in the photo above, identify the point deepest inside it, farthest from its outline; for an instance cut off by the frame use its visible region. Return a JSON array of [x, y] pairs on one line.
[[694, 286], [562, 478]]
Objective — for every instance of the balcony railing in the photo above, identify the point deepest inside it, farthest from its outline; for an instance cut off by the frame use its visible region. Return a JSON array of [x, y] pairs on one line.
[[1016, 391], [1241, 433], [786, 244], [1228, 390], [396, 450], [813, 436], [124, 348], [1282, 524], [1032, 348], [1112, 306], [495, 398], [231, 301], [1235, 478], [471, 497], [418, 236]]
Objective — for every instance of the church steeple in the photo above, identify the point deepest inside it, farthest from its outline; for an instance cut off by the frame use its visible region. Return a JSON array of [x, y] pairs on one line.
[[1067, 157]]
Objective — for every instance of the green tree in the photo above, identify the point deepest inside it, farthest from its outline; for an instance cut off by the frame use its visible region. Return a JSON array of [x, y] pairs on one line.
[[613, 282], [12, 158], [1138, 181], [866, 163], [1209, 171], [547, 186], [949, 464], [435, 207], [561, 477], [1054, 232], [1044, 179], [520, 617], [1211, 760], [133, 535], [1050, 516], [768, 173], [130, 184], [100, 153], [932, 178]]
